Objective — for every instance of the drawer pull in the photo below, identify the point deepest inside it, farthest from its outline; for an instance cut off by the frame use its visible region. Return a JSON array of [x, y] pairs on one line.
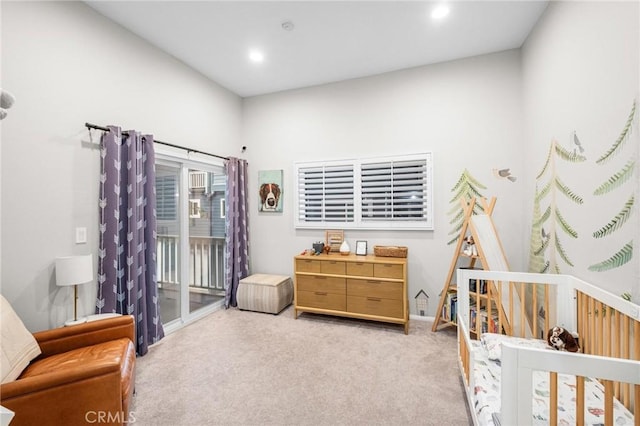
[[333, 262], [359, 263], [373, 282], [374, 299], [307, 261], [321, 293], [319, 277]]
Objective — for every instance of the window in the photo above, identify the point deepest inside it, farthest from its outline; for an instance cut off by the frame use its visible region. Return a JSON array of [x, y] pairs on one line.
[[381, 193], [194, 208]]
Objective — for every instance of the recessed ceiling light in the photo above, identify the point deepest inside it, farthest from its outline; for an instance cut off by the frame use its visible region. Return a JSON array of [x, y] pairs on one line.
[[440, 11], [256, 56]]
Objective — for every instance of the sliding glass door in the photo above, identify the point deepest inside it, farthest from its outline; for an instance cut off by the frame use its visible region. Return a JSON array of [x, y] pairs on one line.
[[190, 249]]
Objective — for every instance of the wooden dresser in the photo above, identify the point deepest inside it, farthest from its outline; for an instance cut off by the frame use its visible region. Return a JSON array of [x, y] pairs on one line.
[[366, 287]]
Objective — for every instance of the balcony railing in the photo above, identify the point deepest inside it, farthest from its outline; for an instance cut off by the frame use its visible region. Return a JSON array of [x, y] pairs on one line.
[[206, 261]]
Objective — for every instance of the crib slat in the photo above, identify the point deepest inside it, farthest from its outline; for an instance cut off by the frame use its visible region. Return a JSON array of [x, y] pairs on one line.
[[547, 306], [626, 354], [579, 400], [601, 312], [592, 321], [553, 398], [523, 315], [636, 416], [616, 347], [534, 310], [607, 334], [608, 402]]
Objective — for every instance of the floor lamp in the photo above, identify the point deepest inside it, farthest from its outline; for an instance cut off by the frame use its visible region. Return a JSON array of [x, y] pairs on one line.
[[74, 270]]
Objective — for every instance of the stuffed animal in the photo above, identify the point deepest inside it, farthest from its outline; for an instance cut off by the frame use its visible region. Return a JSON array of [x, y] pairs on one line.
[[561, 340], [6, 101], [470, 248]]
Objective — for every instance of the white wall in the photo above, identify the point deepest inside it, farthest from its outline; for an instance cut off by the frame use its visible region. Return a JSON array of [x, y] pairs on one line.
[[467, 112], [581, 73], [67, 65]]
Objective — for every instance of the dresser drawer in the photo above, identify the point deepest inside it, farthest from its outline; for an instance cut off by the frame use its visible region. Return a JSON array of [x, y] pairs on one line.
[[361, 269], [387, 270], [307, 265], [320, 283], [332, 267], [374, 306], [373, 288], [322, 300]]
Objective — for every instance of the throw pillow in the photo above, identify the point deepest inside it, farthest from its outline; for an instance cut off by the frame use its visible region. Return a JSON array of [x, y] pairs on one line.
[[19, 346]]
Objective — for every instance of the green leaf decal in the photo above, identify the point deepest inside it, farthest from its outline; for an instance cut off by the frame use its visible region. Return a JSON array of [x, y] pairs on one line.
[[617, 260], [567, 192], [621, 139], [543, 193], [546, 164], [617, 222], [572, 157], [545, 216], [457, 217], [543, 247], [468, 190], [546, 267], [617, 179], [562, 253], [565, 226], [453, 240]]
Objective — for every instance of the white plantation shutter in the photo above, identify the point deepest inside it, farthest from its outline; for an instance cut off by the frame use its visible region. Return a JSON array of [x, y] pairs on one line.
[[381, 193], [326, 194], [394, 190]]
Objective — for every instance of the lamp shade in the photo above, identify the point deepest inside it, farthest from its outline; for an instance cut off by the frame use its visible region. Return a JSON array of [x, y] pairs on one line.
[[74, 270]]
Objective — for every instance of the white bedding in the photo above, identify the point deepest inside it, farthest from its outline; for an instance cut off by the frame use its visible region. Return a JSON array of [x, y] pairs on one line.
[[487, 395]]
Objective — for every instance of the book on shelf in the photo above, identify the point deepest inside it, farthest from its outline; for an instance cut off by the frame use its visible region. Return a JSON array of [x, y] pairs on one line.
[[488, 323], [449, 310]]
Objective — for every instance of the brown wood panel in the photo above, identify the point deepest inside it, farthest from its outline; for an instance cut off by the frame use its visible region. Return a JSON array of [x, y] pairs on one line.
[[322, 300], [307, 265], [375, 306], [333, 267], [321, 283], [387, 270], [374, 288], [362, 269]]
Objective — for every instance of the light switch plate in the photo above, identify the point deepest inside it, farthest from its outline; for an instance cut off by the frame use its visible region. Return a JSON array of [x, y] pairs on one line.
[[81, 235]]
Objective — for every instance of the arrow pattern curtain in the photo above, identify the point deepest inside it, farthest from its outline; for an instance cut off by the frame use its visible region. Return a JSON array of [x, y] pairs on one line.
[[127, 254], [237, 228]]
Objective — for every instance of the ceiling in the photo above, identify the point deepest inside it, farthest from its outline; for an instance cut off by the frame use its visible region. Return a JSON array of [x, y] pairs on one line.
[[330, 40]]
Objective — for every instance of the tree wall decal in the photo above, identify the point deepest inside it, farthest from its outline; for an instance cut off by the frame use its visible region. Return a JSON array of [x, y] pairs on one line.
[[465, 188], [551, 222], [615, 182]]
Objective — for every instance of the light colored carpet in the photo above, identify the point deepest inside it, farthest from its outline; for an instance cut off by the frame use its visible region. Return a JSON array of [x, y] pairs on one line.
[[246, 368]]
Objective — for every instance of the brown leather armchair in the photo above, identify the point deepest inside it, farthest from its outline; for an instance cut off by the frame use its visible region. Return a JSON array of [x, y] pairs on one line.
[[85, 375]]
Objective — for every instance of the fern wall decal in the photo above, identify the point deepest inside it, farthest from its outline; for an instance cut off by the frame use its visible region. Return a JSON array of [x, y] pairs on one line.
[[623, 256], [618, 220], [616, 181], [546, 249], [624, 135], [465, 188]]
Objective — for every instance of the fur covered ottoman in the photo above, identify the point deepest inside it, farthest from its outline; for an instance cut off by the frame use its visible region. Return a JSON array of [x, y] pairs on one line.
[[265, 293]]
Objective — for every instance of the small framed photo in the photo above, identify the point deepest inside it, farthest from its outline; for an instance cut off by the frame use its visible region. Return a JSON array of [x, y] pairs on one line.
[[361, 248], [333, 239]]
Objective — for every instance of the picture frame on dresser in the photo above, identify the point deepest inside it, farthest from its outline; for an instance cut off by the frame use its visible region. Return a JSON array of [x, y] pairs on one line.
[[361, 248], [333, 239]]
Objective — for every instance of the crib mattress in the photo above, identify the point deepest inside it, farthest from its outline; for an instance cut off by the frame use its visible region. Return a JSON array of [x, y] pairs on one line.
[[487, 396]]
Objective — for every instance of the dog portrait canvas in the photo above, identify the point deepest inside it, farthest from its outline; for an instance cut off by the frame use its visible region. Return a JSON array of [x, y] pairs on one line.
[[270, 190]]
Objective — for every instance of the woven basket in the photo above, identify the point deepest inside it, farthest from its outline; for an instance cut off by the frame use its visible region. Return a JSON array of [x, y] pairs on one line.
[[390, 251]]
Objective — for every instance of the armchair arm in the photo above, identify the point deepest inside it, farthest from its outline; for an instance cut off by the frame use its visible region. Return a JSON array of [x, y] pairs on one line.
[[66, 397], [48, 382], [64, 339]]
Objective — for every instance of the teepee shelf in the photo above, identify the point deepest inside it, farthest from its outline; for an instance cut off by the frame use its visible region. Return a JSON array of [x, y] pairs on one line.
[[487, 312]]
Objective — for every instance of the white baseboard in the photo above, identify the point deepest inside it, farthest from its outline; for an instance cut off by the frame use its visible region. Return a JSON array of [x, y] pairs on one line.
[[421, 318]]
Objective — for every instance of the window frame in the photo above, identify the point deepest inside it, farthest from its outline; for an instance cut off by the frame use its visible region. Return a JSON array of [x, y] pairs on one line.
[[424, 224]]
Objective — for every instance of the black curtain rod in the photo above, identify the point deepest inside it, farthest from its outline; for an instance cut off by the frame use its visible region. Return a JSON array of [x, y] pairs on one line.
[[106, 129]]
